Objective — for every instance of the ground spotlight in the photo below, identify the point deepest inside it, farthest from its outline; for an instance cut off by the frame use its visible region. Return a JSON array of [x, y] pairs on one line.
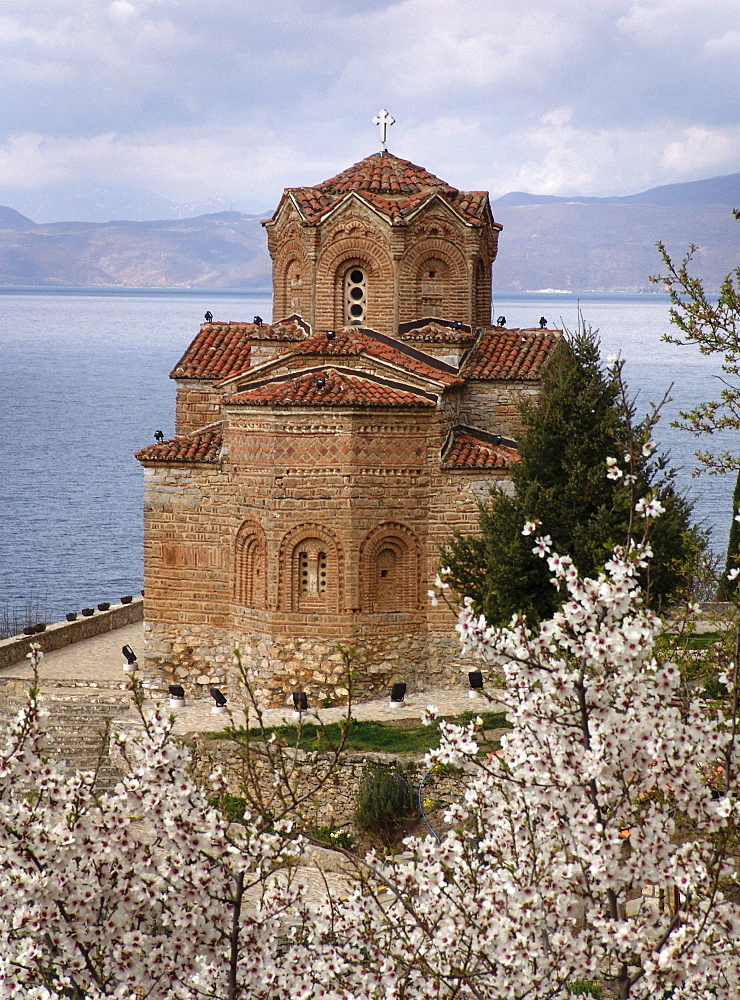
[[475, 679], [177, 695], [220, 707], [398, 693]]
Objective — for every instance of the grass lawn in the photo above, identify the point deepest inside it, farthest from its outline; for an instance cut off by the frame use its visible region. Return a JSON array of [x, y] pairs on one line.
[[380, 737]]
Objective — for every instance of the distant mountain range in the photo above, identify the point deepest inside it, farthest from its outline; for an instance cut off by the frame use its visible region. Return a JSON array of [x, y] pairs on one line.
[[548, 242]]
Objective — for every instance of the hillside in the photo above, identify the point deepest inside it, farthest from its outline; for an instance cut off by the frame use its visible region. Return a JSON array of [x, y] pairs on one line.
[[589, 244], [226, 250]]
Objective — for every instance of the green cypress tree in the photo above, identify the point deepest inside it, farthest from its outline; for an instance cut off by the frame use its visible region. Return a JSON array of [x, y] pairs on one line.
[[561, 481]]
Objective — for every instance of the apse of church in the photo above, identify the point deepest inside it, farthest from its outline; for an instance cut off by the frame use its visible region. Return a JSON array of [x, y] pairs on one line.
[[322, 459]]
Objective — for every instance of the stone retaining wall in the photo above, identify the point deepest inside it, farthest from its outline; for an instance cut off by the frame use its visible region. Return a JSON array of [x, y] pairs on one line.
[[336, 784], [15, 649]]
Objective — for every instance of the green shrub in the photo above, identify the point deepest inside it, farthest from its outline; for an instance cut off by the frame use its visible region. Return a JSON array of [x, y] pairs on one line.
[[333, 838], [386, 801], [585, 988]]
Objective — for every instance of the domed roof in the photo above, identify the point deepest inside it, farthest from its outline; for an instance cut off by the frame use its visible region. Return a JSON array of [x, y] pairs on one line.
[[383, 173], [394, 187]]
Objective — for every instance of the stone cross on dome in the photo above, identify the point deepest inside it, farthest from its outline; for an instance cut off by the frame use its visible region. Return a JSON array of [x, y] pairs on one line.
[[383, 120]]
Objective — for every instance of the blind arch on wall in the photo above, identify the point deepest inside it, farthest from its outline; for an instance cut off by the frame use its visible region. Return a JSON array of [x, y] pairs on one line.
[[390, 567], [250, 566]]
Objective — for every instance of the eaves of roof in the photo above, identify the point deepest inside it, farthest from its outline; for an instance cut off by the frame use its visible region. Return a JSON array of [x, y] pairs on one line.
[[395, 356], [468, 449], [510, 355], [202, 447]]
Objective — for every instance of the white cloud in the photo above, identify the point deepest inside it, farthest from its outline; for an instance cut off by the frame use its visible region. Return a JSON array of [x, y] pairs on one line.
[[193, 99], [726, 44], [557, 117]]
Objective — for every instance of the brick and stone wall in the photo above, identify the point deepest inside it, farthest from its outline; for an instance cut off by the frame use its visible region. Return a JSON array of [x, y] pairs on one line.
[[222, 545], [198, 404]]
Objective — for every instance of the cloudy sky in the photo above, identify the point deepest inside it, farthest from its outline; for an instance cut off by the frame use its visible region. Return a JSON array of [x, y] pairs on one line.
[[193, 100]]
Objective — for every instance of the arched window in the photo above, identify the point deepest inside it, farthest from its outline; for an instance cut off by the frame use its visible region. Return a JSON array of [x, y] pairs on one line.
[[355, 295], [312, 570], [250, 567]]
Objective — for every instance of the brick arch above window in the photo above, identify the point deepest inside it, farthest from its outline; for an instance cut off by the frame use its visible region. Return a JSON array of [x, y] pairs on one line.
[[331, 272], [250, 566], [390, 569], [311, 570]]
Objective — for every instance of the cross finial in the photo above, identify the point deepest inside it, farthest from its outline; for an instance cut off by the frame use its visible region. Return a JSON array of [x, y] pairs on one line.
[[383, 120]]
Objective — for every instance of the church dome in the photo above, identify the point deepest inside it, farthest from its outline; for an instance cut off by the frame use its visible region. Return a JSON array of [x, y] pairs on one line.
[[383, 173]]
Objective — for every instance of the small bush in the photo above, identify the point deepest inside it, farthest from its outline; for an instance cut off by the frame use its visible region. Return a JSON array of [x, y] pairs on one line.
[[585, 988], [385, 801], [333, 838]]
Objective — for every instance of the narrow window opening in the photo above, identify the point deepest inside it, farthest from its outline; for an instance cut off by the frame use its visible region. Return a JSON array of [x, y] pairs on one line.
[[355, 296]]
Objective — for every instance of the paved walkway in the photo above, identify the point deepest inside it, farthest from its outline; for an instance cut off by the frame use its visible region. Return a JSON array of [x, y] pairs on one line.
[[98, 662]]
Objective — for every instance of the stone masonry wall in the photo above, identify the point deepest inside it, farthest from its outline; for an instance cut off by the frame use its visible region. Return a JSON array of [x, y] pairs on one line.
[[198, 404], [336, 785], [494, 406], [347, 475]]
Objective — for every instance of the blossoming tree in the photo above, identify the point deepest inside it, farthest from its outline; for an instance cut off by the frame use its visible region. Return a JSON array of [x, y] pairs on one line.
[[598, 842], [145, 892]]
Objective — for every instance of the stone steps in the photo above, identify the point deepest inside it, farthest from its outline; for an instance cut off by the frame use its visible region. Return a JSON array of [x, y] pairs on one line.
[[78, 715]]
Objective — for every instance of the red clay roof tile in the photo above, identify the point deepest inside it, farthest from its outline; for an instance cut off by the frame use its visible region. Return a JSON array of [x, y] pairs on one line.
[[436, 331], [510, 354], [203, 445], [394, 186], [471, 449], [327, 387], [354, 340], [223, 349]]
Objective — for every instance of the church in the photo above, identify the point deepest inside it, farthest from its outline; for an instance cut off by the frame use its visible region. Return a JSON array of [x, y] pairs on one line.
[[320, 460]]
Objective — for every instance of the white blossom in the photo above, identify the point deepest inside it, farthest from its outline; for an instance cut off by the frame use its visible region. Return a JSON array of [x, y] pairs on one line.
[[530, 527], [649, 507]]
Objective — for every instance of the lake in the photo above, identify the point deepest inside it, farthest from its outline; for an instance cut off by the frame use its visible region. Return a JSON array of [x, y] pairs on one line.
[[83, 384]]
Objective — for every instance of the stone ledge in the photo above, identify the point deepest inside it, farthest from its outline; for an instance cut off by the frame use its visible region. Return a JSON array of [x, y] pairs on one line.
[[15, 649]]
